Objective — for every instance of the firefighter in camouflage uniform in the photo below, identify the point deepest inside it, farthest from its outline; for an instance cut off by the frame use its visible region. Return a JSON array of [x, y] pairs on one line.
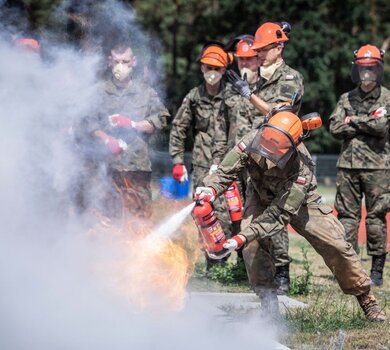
[[127, 115], [198, 114], [279, 85], [361, 121], [238, 114], [282, 173]]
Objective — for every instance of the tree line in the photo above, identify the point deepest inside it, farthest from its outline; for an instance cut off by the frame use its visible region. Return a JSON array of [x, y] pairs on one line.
[[324, 35]]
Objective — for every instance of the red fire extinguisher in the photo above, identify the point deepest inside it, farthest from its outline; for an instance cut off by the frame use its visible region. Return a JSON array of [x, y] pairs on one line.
[[234, 204], [210, 230]]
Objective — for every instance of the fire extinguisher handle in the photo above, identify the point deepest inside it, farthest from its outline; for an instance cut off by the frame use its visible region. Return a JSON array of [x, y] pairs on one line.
[[219, 254]]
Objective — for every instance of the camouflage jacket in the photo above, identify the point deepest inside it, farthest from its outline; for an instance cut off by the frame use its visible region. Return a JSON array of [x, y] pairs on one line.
[[197, 113], [239, 115], [366, 136], [281, 191], [281, 87], [138, 102]]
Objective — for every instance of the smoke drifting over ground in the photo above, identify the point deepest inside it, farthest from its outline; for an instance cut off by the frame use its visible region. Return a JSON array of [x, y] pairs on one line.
[[54, 293]]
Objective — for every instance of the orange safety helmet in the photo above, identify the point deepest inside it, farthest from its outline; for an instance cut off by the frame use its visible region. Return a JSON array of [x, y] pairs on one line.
[[368, 55], [244, 48], [214, 54], [277, 139], [269, 33], [367, 64], [28, 44], [289, 123]]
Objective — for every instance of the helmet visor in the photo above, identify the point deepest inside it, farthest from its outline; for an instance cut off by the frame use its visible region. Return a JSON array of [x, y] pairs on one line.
[[274, 144], [367, 70]]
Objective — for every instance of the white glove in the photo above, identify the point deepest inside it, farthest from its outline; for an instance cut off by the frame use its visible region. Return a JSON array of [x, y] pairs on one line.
[[213, 169], [234, 243], [204, 194]]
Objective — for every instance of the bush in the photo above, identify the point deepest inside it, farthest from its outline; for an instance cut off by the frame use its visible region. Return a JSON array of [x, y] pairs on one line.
[[228, 273]]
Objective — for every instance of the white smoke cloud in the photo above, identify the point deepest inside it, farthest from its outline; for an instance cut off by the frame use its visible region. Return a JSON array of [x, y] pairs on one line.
[[52, 294]]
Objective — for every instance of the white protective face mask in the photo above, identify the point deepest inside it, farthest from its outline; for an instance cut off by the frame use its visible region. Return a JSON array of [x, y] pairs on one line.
[[249, 75], [212, 77], [121, 71], [267, 72]]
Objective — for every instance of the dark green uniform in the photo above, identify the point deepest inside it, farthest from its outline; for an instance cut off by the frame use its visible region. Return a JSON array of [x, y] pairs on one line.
[[288, 196], [364, 163]]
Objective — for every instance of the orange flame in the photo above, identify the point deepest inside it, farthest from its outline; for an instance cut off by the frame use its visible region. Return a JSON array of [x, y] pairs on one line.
[[151, 275], [154, 276]]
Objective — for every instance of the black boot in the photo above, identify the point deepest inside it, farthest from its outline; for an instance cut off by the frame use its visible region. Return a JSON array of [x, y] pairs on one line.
[[378, 263], [282, 279]]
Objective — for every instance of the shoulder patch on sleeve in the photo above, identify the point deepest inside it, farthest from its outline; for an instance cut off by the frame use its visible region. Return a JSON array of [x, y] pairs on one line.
[[301, 180], [290, 77], [380, 112], [242, 146]]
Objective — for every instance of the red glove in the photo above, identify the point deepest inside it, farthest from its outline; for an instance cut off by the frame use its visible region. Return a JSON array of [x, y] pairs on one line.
[[120, 121], [179, 173], [115, 146]]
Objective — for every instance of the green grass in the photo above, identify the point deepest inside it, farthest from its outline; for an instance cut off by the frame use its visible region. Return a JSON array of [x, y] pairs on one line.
[[332, 320], [329, 311]]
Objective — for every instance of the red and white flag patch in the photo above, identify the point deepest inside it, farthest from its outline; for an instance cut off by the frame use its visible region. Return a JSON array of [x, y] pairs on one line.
[[242, 146], [301, 180], [380, 112], [289, 77]]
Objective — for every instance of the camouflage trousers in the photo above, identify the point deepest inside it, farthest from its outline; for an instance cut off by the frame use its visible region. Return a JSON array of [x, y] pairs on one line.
[[135, 194], [278, 244], [116, 195], [325, 233], [198, 174], [352, 184]]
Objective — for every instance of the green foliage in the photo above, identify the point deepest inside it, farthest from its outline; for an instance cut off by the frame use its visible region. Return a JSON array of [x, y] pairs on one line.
[[229, 273], [302, 284]]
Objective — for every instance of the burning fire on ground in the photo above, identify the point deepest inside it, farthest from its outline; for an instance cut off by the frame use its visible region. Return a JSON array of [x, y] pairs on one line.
[[152, 273]]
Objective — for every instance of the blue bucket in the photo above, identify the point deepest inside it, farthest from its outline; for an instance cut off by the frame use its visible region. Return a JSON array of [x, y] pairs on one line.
[[170, 188]]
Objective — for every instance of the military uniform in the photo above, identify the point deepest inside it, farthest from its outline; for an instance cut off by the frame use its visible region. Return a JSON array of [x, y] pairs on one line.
[[198, 114], [234, 122], [288, 196], [281, 87], [363, 165], [129, 171], [239, 116]]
